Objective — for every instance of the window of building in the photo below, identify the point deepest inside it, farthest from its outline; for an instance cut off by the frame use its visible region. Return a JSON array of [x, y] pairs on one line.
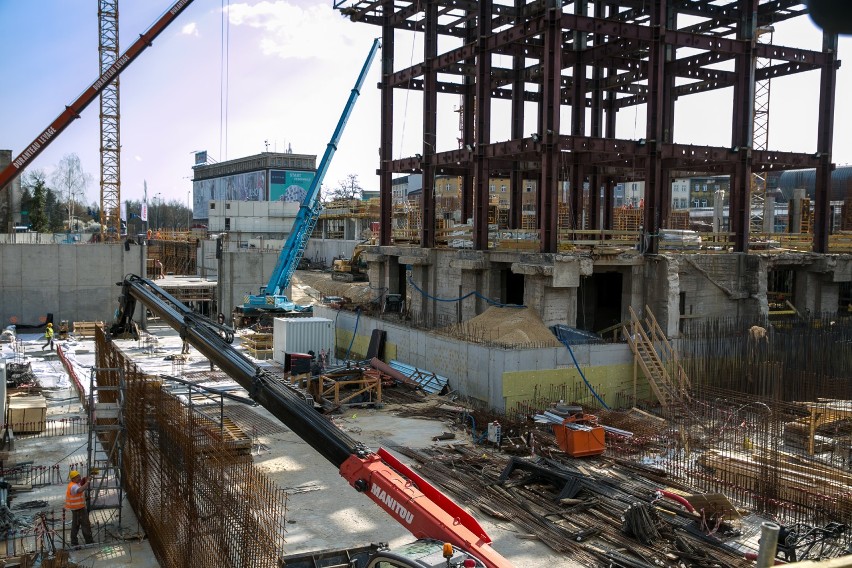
[[503, 189], [528, 189], [704, 203], [227, 206], [227, 223], [212, 205], [492, 188]]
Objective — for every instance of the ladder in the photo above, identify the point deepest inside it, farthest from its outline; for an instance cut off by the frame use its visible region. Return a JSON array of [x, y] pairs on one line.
[[658, 360], [106, 439]]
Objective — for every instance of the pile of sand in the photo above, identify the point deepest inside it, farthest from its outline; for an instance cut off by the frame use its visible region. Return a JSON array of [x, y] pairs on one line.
[[505, 327], [310, 287]]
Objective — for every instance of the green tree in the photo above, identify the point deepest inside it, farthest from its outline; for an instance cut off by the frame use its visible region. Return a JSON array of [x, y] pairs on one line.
[[56, 212], [26, 204], [35, 182]]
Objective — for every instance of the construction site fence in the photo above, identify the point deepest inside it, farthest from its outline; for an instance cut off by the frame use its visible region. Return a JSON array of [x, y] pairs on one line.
[[73, 426], [72, 374], [199, 497]]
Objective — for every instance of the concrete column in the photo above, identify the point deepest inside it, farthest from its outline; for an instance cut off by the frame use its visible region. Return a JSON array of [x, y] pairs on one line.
[[807, 292], [794, 211], [470, 280], [554, 305], [769, 214]]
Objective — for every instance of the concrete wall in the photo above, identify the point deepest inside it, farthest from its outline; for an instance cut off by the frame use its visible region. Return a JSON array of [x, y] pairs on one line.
[[329, 249], [73, 282], [496, 377], [715, 285], [242, 273]]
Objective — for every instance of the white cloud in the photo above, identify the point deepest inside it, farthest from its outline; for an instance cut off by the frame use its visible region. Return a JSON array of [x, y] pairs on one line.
[[190, 29], [289, 31]]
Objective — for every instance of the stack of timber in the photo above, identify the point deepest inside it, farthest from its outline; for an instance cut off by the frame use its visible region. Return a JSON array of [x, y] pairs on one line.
[[259, 345]]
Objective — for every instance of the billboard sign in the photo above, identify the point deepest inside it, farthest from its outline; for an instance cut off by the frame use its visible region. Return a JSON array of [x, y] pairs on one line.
[[250, 186], [289, 186]]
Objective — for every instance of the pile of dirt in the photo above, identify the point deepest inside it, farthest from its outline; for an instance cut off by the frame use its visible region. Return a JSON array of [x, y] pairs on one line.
[[505, 327], [310, 287]]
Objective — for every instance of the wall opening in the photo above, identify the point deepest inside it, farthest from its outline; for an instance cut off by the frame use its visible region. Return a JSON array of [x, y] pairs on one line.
[[779, 289], [599, 301], [512, 287], [845, 298]]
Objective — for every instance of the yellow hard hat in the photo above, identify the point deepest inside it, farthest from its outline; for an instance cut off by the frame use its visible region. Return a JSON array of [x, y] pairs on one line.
[[49, 325], [74, 473]]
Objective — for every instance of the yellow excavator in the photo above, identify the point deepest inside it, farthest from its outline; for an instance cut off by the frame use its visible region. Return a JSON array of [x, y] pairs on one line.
[[350, 269]]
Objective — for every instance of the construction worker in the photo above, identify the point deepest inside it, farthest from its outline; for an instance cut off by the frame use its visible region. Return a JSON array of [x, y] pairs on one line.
[[75, 501], [48, 336]]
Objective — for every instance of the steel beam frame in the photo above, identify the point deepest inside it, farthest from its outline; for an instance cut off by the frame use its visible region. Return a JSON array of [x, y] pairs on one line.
[[596, 56]]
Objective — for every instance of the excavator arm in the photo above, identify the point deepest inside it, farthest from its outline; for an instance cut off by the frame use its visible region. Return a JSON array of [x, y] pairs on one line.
[[73, 110]]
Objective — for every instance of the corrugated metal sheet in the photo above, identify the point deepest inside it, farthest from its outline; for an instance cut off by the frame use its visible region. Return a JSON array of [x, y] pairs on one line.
[[300, 335], [428, 381]]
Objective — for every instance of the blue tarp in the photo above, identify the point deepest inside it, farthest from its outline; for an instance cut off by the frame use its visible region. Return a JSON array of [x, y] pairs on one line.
[[428, 381]]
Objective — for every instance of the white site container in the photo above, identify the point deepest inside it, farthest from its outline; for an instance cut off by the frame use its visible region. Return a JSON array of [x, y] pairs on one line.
[[300, 335]]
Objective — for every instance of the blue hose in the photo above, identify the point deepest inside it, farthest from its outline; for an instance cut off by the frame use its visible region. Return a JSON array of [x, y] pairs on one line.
[[571, 351], [354, 333]]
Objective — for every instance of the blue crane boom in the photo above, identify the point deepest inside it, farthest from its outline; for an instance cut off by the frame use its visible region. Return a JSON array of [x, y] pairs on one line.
[[271, 296]]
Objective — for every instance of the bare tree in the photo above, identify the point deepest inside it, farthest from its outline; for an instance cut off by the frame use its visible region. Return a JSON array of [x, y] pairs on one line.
[[349, 188], [71, 182]]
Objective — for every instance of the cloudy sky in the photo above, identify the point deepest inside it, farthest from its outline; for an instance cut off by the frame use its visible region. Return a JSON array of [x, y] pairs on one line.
[[290, 68]]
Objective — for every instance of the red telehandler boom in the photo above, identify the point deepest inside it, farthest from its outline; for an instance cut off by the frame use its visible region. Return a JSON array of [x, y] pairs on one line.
[[73, 110], [422, 509]]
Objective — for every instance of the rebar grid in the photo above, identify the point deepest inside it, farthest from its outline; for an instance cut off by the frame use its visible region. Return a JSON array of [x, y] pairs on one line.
[[198, 495], [769, 423]]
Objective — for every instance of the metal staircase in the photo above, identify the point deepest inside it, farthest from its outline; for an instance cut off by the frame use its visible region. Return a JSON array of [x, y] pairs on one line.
[[106, 439], [658, 361]]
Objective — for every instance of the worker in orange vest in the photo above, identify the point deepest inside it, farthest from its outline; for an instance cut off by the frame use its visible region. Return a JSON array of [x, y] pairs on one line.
[[75, 501]]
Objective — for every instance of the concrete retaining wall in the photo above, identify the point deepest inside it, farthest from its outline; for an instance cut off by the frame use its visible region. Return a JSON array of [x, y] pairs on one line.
[[499, 378], [73, 282]]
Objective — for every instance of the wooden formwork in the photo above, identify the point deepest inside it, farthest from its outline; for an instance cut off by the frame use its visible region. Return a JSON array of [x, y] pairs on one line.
[[86, 328]]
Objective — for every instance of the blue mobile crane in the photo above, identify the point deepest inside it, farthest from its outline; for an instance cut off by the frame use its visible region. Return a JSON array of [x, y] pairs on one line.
[[271, 297]]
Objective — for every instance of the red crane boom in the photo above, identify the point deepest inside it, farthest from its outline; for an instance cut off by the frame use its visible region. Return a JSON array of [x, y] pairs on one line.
[[73, 110]]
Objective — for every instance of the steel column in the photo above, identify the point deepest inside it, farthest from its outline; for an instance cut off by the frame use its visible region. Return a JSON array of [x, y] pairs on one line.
[[467, 118], [482, 127], [549, 120], [516, 181], [386, 131], [825, 135], [430, 124], [742, 128], [654, 129]]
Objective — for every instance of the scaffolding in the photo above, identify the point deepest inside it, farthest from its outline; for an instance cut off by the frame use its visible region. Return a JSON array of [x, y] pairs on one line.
[[106, 440]]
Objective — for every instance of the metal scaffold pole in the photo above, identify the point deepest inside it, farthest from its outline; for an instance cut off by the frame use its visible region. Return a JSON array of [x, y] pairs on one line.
[[106, 439]]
